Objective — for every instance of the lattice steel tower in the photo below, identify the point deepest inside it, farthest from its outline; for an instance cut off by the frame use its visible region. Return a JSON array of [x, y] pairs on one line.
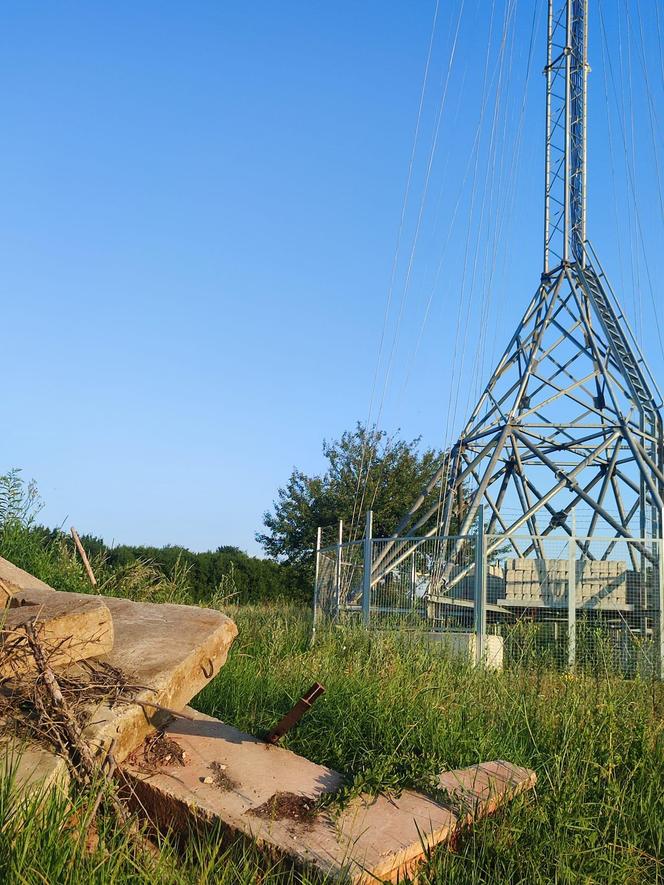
[[570, 418]]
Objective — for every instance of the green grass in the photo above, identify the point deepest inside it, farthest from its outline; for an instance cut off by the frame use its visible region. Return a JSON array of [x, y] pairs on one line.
[[397, 712], [394, 714], [42, 842]]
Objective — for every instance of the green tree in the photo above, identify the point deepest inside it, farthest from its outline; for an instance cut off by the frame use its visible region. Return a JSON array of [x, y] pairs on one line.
[[366, 469]]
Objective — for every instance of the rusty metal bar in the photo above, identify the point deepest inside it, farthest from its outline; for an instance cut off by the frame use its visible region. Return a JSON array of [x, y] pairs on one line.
[[294, 715]]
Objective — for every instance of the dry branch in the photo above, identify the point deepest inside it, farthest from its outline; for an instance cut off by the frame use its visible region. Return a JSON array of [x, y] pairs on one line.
[[54, 709], [51, 711], [84, 557], [80, 757]]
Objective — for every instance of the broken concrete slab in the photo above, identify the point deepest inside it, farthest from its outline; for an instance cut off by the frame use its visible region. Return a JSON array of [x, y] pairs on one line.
[[170, 652], [13, 579], [71, 627], [369, 840], [481, 789], [173, 651]]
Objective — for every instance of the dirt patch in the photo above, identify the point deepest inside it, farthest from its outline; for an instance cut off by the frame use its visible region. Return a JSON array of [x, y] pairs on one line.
[[220, 777], [289, 806], [158, 750]]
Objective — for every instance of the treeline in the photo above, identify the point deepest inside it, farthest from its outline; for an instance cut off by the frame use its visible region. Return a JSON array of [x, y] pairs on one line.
[[226, 572], [364, 469]]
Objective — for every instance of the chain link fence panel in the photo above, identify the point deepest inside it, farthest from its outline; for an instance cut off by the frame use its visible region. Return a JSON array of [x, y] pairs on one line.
[[577, 604]]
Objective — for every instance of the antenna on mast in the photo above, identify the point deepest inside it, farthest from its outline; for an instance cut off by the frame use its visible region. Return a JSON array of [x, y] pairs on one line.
[[566, 129]]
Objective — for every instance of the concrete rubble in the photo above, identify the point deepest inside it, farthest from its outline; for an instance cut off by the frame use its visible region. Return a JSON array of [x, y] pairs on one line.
[[76, 628], [193, 770], [14, 579], [169, 651]]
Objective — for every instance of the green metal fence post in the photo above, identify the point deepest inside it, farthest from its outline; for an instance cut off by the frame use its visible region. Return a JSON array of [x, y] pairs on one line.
[[366, 586], [337, 581], [571, 598], [480, 587], [316, 576], [413, 578], [659, 632]]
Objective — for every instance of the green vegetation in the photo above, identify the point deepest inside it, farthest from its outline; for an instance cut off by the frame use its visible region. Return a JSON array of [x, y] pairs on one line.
[[150, 574], [366, 470], [226, 573], [157, 574], [395, 713]]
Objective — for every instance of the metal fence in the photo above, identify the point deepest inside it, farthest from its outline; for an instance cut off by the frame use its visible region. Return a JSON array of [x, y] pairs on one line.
[[568, 603]]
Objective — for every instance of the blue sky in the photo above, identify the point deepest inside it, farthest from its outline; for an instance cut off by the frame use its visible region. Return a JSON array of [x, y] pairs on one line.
[[199, 215]]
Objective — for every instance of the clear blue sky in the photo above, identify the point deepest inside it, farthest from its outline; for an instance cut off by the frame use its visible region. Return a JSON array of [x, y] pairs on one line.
[[200, 206]]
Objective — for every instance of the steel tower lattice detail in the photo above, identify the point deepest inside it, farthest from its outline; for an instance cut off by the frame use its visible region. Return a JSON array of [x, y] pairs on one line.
[[571, 416]]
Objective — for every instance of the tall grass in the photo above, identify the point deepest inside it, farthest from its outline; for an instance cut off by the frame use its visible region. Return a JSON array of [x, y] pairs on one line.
[[396, 712], [43, 841]]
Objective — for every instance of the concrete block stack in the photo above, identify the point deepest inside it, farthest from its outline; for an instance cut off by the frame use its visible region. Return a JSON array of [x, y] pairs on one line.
[[526, 581], [600, 582], [465, 587], [545, 582]]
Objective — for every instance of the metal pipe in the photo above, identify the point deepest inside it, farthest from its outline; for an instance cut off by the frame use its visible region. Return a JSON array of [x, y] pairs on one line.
[[316, 576], [584, 191], [366, 582], [571, 598], [290, 720], [568, 133]]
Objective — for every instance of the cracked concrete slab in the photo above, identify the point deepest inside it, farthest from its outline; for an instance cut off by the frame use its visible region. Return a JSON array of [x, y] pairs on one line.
[[481, 789], [369, 840]]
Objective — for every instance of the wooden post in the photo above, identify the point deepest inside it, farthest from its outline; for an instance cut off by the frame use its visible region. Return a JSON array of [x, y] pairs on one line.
[[84, 557]]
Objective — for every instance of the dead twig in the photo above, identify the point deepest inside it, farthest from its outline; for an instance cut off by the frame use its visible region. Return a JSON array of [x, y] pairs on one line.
[[64, 727], [55, 709], [81, 758], [108, 767]]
